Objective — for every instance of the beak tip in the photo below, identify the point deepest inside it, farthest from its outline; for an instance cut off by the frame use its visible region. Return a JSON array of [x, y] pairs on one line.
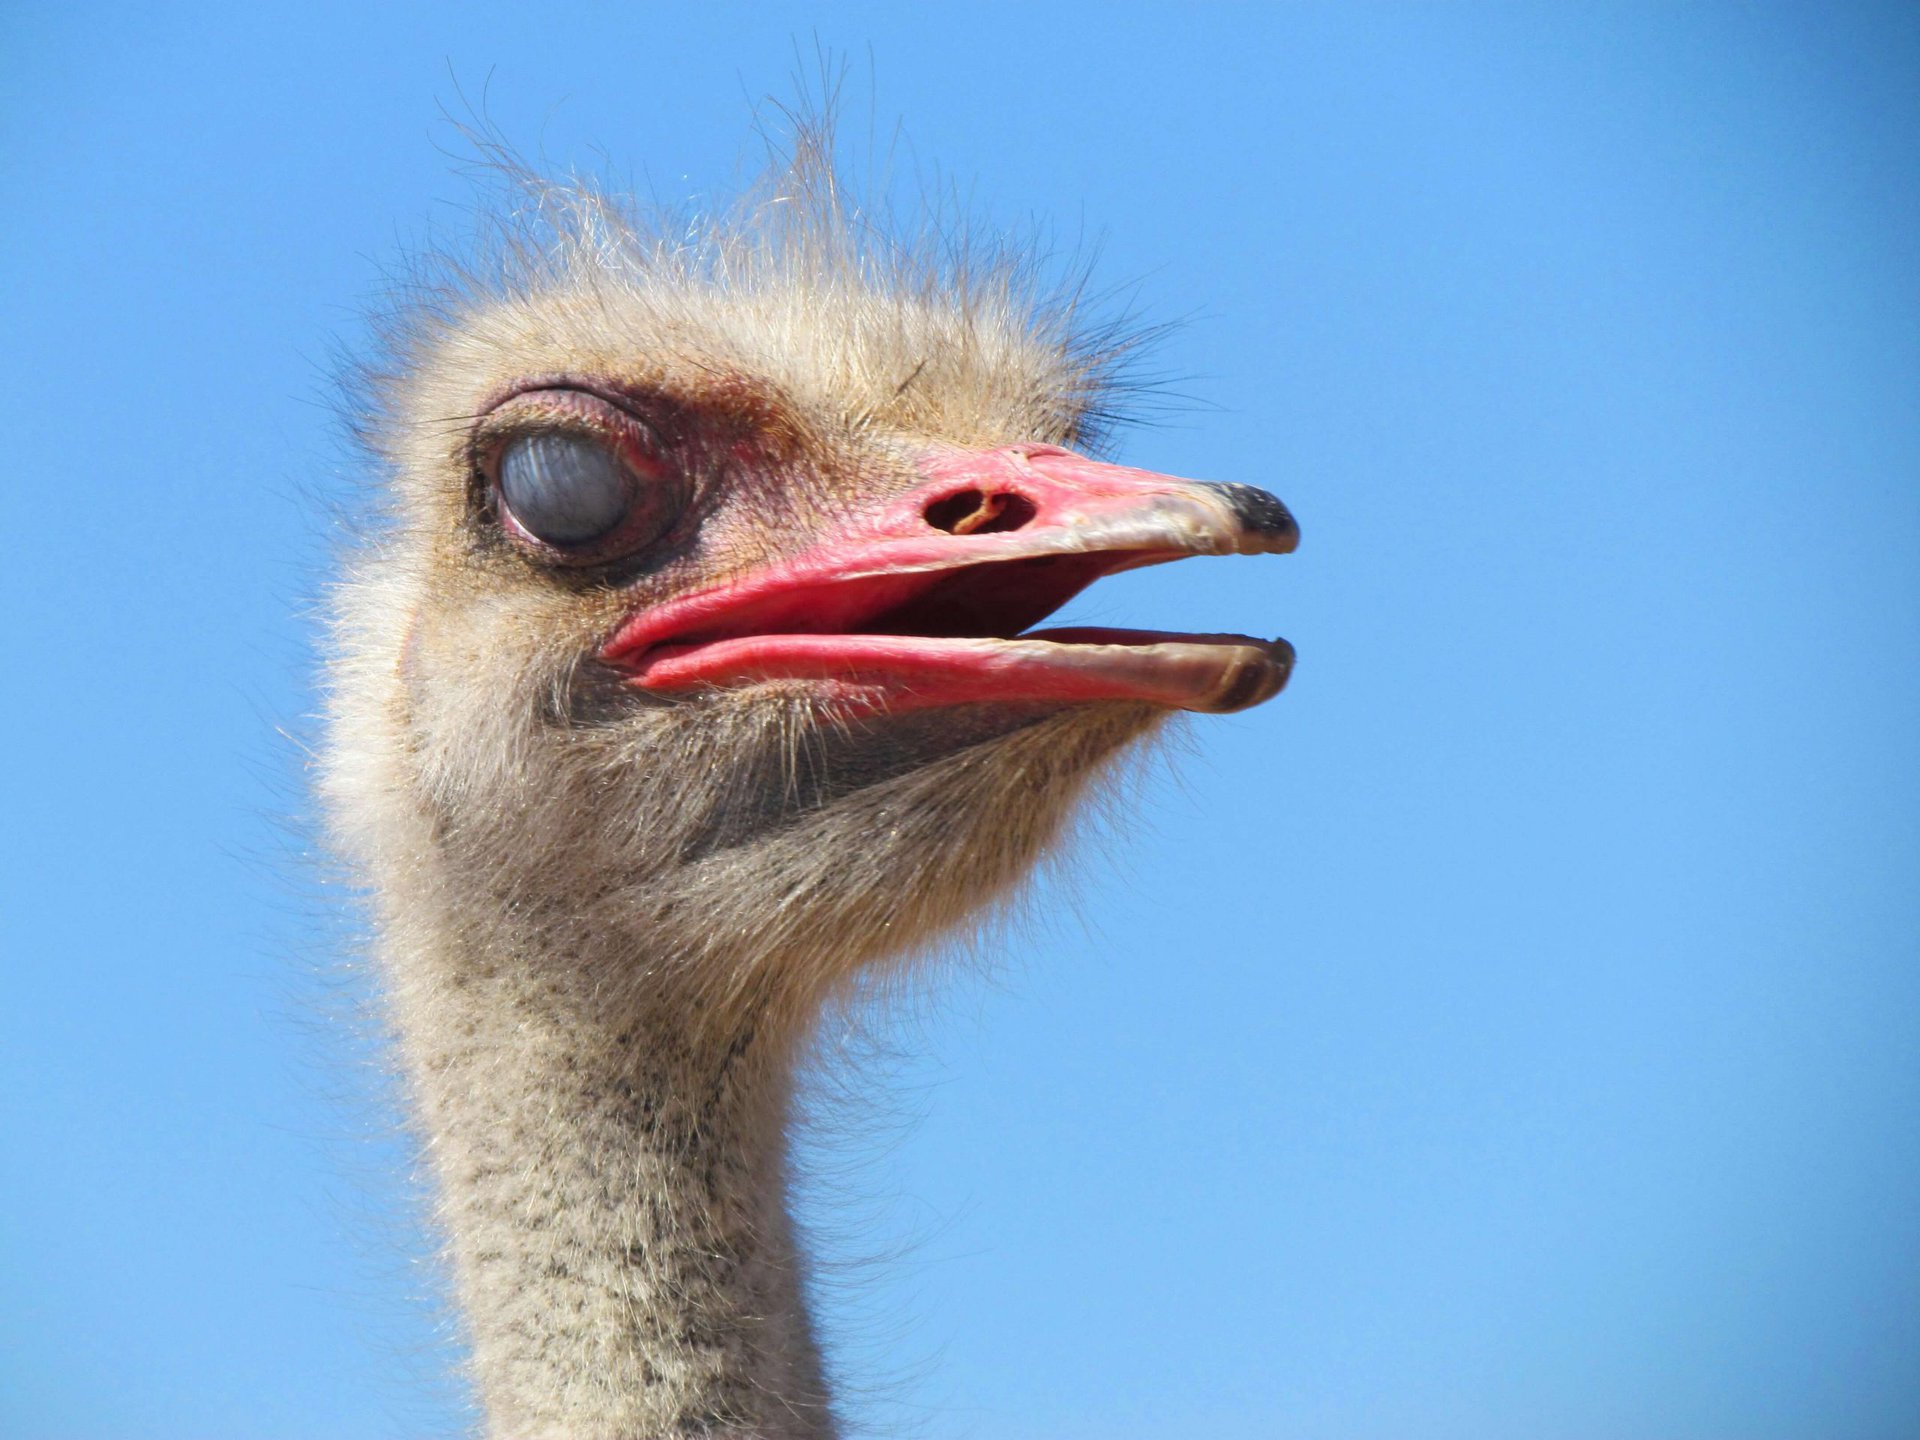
[[1262, 518], [1253, 681]]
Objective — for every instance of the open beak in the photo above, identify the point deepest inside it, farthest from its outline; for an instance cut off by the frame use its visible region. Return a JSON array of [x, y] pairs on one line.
[[928, 600]]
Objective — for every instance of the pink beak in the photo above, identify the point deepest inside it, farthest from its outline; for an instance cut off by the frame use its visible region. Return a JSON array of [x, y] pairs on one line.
[[927, 599]]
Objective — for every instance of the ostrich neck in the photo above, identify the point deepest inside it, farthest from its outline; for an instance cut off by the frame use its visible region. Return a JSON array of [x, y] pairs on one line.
[[614, 1198]]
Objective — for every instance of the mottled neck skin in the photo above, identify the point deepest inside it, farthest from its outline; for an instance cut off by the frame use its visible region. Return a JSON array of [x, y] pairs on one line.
[[615, 1196]]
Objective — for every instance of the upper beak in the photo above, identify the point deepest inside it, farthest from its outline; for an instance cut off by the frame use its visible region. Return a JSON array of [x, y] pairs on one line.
[[1073, 503]]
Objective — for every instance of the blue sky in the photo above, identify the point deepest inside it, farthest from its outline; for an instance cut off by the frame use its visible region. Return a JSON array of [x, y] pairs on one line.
[[1512, 1031]]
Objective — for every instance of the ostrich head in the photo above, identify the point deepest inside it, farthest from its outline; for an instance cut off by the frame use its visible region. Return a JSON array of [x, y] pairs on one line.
[[694, 673], [704, 620]]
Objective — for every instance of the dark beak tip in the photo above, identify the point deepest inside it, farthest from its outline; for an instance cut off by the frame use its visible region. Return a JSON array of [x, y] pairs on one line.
[[1253, 682], [1262, 515], [1283, 656]]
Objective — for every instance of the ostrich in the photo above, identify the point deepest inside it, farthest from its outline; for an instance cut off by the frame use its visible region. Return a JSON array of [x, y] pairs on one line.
[[690, 679]]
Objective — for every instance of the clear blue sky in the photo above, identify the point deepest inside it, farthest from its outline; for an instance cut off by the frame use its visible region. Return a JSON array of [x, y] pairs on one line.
[[1512, 1032]]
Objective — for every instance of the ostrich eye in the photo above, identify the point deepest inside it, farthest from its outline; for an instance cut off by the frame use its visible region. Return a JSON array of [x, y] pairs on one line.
[[565, 490]]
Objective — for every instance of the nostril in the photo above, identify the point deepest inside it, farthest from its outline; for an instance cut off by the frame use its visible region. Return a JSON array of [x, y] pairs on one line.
[[979, 512]]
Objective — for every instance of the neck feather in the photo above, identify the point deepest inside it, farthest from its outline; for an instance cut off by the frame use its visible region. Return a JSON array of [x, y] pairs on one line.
[[613, 1192]]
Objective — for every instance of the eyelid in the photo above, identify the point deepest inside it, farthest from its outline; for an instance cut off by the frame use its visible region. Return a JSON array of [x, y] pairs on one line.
[[564, 491], [568, 409]]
